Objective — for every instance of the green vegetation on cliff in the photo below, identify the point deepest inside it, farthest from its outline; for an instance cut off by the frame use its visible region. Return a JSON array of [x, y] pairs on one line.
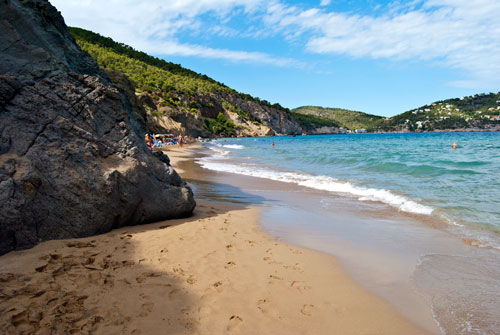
[[177, 91], [125, 50], [150, 73], [313, 116]]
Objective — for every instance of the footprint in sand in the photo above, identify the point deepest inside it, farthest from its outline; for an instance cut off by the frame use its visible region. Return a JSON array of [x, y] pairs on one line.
[[229, 247], [162, 260], [307, 309], [80, 244], [262, 305], [229, 265], [55, 258], [125, 281], [128, 263], [210, 254], [217, 284], [295, 267], [173, 293], [94, 277], [234, 322], [22, 323], [300, 286], [191, 280], [145, 276], [179, 271], [273, 280], [269, 260], [109, 280], [38, 294], [146, 309]]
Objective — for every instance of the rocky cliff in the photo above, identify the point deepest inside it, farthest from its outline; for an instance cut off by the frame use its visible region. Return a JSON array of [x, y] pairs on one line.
[[248, 118], [72, 157], [178, 100]]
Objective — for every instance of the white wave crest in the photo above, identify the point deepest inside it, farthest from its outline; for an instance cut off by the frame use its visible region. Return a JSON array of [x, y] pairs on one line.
[[219, 153], [324, 183], [228, 146], [233, 146]]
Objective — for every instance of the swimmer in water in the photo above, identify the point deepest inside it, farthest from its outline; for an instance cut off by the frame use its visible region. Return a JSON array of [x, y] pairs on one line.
[[454, 145], [273, 144]]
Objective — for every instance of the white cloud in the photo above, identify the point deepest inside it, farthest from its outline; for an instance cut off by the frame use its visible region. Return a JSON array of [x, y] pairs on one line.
[[148, 17], [458, 34], [174, 48], [152, 26]]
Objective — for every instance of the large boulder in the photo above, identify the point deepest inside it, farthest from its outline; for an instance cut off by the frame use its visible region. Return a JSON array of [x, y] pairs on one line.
[[72, 156]]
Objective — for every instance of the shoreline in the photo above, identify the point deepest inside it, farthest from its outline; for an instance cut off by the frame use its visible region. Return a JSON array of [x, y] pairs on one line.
[[288, 213], [270, 196], [428, 272], [213, 273]]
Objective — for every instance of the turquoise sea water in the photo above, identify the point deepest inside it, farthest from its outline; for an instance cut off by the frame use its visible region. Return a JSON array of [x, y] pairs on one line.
[[416, 173]]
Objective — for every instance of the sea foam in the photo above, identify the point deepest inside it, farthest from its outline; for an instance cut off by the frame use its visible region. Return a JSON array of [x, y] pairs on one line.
[[218, 162], [230, 146]]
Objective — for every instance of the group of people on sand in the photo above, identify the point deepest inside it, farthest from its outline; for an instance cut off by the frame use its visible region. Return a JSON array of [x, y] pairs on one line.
[[158, 141]]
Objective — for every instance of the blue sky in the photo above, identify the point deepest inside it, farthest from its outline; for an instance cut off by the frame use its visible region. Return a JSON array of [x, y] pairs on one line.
[[379, 57]]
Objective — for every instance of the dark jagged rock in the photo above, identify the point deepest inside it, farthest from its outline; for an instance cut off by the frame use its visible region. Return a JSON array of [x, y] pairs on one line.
[[72, 156]]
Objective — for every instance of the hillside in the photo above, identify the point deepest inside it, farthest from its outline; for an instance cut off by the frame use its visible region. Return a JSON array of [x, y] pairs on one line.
[[179, 100], [313, 117], [478, 112]]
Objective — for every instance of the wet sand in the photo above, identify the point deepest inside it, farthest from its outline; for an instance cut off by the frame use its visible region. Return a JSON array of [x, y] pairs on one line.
[[213, 273]]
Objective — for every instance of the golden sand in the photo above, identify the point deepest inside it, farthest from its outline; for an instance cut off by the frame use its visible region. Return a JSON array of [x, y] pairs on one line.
[[212, 273]]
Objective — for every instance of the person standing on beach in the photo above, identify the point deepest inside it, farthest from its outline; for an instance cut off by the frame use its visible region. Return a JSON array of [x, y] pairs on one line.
[[148, 141], [180, 140]]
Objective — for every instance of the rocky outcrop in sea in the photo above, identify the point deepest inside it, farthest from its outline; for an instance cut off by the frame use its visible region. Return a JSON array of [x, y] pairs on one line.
[[73, 161]]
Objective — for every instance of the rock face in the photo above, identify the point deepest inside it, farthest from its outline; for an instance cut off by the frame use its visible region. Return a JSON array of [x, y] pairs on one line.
[[72, 156], [280, 122], [263, 120]]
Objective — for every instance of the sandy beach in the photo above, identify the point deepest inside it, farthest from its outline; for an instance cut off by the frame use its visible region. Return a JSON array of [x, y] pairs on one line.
[[213, 273]]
